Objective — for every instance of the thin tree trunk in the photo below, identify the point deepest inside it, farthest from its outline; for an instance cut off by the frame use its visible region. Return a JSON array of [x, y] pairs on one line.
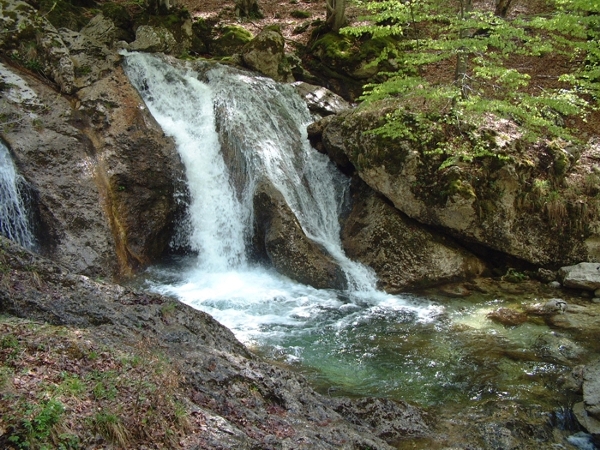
[[502, 7], [336, 14], [247, 8], [462, 58]]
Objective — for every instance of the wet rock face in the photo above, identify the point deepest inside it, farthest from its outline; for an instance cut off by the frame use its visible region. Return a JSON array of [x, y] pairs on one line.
[[138, 169], [279, 238], [58, 161], [403, 254], [104, 173], [489, 201], [243, 401]]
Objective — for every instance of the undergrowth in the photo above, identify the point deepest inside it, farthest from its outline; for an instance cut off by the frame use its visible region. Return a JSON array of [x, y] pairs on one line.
[[59, 389]]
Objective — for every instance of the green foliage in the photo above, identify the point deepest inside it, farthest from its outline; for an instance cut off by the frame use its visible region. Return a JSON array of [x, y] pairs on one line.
[[485, 83]]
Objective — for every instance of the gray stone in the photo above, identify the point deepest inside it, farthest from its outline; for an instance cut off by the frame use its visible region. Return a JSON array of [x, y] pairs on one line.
[[153, 39], [279, 238], [402, 254], [266, 54], [588, 422], [480, 203], [321, 100], [591, 389], [584, 275]]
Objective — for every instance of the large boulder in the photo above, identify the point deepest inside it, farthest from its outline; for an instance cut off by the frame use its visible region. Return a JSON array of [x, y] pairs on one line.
[[150, 38], [402, 253], [137, 167], [581, 276], [266, 54], [321, 100], [588, 411], [34, 43], [279, 238], [103, 172], [528, 201], [58, 161]]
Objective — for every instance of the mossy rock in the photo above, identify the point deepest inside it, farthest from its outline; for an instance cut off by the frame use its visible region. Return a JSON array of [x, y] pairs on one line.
[[120, 16], [350, 60], [352, 56], [65, 13], [231, 40]]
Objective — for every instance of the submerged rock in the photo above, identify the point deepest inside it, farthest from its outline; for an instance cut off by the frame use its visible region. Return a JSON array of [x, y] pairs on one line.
[[508, 317]]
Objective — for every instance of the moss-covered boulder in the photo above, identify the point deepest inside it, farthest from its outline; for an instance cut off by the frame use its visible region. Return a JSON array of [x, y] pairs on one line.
[[348, 63], [35, 44], [402, 252], [485, 185], [266, 54], [280, 240], [229, 40]]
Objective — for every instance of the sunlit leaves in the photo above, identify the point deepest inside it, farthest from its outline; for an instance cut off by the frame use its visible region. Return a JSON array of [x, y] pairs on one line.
[[434, 33]]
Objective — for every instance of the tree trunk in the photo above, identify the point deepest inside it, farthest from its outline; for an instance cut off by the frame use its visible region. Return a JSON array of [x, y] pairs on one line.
[[248, 8], [462, 57], [336, 14], [502, 7]]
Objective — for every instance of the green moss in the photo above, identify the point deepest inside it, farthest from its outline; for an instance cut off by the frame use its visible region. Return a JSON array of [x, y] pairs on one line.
[[300, 14], [64, 13], [232, 39]]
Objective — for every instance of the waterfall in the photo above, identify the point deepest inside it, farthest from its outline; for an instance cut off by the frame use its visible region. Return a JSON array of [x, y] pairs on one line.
[[183, 106], [14, 219], [264, 122]]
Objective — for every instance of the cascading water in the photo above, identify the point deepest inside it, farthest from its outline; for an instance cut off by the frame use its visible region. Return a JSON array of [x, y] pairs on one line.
[[264, 122], [359, 341], [14, 219]]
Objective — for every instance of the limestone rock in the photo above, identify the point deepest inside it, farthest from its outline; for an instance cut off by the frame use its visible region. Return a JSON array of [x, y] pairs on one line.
[[488, 201], [402, 253], [153, 39], [279, 238], [266, 54], [90, 50], [331, 149], [321, 100], [581, 276], [138, 168], [34, 42], [58, 161], [591, 389]]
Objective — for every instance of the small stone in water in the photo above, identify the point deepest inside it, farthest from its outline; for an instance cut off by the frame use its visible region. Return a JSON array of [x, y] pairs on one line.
[[508, 317]]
